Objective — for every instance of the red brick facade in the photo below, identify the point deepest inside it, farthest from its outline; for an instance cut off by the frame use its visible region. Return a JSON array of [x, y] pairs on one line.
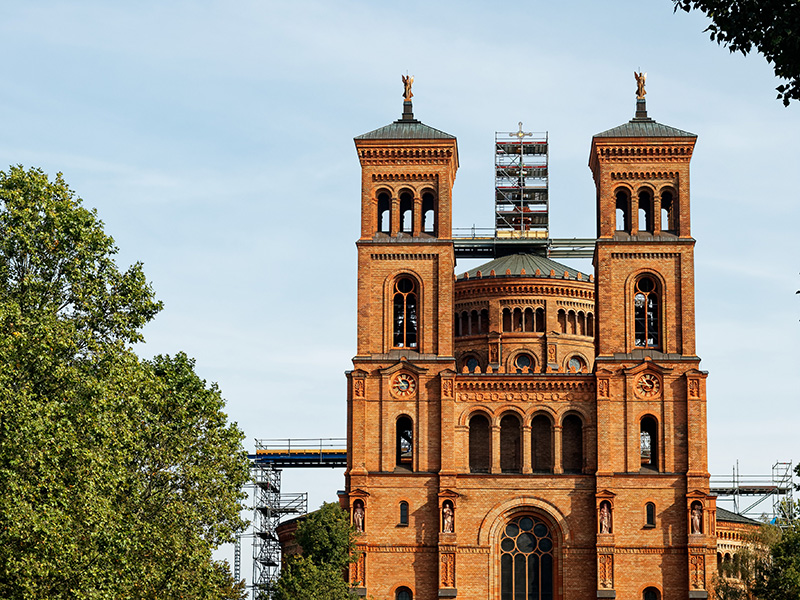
[[498, 420]]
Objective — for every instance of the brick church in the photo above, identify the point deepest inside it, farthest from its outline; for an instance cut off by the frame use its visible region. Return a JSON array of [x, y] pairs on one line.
[[524, 430]]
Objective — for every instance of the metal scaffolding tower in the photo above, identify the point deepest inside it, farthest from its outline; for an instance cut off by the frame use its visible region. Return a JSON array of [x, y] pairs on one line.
[[776, 488], [269, 505], [521, 184]]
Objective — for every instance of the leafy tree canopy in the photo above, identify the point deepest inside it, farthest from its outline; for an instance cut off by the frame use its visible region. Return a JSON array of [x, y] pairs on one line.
[[118, 476], [772, 27], [328, 543]]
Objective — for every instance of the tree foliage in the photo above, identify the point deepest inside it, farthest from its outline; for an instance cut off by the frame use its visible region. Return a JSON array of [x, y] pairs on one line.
[[118, 476], [772, 27], [328, 548]]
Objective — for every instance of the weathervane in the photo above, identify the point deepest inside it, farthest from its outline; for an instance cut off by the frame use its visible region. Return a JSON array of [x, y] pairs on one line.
[[407, 82], [640, 77]]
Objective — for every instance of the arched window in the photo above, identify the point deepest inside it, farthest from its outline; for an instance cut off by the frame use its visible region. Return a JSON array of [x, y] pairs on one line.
[[510, 434], [581, 323], [623, 206], [517, 319], [471, 363], [577, 364], [480, 444], [429, 213], [668, 221], [571, 322], [645, 211], [506, 319], [405, 442], [526, 560], [523, 363], [406, 212], [541, 444], [484, 321], [464, 328], [645, 313], [527, 321], [572, 444], [590, 325], [405, 313], [474, 323], [403, 513], [651, 593], [562, 321], [540, 320], [649, 443], [384, 212], [649, 515], [403, 593]]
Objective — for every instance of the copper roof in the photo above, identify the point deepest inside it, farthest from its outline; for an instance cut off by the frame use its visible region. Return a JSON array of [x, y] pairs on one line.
[[515, 264]]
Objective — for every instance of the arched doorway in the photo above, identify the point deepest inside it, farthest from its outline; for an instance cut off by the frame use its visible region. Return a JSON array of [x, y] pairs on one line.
[[527, 564]]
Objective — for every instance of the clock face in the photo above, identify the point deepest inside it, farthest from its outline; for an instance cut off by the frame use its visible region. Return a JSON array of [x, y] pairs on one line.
[[648, 385], [404, 385]]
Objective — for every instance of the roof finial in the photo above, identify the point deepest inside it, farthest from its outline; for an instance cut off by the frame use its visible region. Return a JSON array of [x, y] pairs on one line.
[[407, 83], [641, 105]]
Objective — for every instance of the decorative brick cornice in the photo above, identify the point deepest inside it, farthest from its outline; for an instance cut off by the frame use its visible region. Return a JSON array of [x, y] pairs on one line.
[[403, 256], [624, 175], [546, 390], [645, 255], [650, 152], [519, 288], [389, 177]]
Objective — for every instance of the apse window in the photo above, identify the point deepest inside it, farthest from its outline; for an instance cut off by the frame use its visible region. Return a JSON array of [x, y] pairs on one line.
[[645, 313], [523, 363]]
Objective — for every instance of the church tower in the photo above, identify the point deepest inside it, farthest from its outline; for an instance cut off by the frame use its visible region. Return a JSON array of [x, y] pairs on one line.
[[651, 406], [525, 430], [396, 452]]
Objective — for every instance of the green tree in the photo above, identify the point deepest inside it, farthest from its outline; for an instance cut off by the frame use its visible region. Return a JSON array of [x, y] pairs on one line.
[[328, 548], [118, 476], [772, 27]]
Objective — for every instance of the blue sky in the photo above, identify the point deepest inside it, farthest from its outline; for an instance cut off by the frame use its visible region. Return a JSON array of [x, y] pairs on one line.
[[215, 141]]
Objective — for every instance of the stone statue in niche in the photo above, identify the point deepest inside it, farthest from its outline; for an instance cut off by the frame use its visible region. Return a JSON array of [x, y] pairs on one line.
[[697, 518], [605, 518], [358, 516], [448, 521]]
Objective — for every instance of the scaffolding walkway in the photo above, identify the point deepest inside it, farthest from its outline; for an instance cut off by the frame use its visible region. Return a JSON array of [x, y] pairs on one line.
[[775, 488], [270, 505]]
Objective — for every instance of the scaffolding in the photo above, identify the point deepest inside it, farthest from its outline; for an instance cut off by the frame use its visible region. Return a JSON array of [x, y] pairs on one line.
[[269, 506], [521, 184], [775, 489]]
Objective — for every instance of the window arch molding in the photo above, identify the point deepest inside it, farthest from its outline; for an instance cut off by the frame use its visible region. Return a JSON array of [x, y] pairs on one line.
[[478, 409], [622, 207], [581, 357], [512, 362], [491, 531], [472, 361], [390, 292], [649, 423], [650, 592], [660, 290], [403, 592]]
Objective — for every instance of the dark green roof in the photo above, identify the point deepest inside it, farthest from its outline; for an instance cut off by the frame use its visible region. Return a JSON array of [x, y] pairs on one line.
[[732, 517], [644, 128], [406, 130], [515, 263]]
